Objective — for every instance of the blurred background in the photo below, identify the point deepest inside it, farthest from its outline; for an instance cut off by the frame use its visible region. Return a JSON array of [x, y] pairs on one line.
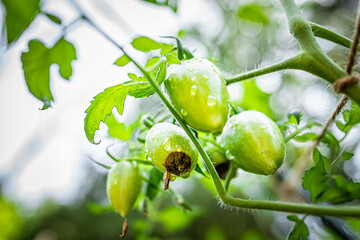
[[49, 188]]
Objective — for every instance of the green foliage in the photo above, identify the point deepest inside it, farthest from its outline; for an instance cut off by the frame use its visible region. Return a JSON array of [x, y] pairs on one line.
[[351, 118], [310, 136], [294, 117], [300, 230], [37, 62], [10, 221], [120, 130], [54, 18], [19, 15], [152, 188], [103, 104], [253, 12], [122, 61], [325, 188], [146, 44]]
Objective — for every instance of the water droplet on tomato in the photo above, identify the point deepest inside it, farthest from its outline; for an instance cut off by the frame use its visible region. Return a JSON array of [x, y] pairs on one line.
[[211, 101], [205, 78], [193, 78], [193, 90], [167, 144], [184, 112], [191, 69], [229, 155], [178, 148]]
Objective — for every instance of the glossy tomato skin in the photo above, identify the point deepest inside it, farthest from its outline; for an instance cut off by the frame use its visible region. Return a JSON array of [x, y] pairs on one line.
[[168, 145], [197, 90], [123, 186], [254, 141]]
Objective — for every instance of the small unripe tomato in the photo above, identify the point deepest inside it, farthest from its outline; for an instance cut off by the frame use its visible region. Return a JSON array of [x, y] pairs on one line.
[[170, 149], [254, 141], [123, 186], [218, 158], [197, 90]]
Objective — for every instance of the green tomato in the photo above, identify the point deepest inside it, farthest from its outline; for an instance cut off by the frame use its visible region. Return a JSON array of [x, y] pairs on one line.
[[254, 142], [197, 90], [123, 186], [169, 149], [218, 158]]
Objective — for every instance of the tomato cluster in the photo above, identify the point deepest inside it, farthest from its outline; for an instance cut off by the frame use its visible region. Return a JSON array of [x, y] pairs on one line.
[[197, 90]]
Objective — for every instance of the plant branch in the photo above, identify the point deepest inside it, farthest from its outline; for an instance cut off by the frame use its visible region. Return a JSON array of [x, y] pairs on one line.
[[229, 176], [241, 203], [325, 33], [295, 133], [312, 209], [291, 63]]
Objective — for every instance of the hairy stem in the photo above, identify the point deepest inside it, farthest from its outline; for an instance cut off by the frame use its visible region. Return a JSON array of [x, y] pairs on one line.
[[311, 209], [290, 63], [325, 33]]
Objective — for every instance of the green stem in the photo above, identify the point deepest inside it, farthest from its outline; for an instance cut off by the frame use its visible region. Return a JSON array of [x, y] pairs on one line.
[[311, 209], [229, 176], [319, 62], [325, 33], [291, 63], [241, 203], [295, 133]]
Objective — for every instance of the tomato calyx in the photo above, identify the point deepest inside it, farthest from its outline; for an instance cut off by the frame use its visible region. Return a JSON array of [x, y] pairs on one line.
[[178, 163]]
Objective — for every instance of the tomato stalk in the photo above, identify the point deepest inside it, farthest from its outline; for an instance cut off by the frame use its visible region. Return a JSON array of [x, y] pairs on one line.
[[312, 209]]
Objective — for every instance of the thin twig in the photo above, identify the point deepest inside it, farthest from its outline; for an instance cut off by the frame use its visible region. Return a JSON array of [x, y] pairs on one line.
[[302, 163]]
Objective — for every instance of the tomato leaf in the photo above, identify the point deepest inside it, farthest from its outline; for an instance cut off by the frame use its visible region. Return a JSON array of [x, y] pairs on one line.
[[146, 89], [315, 181], [199, 170], [331, 141], [340, 191], [102, 105], [300, 231], [146, 44], [306, 137], [36, 64], [351, 118], [120, 130], [53, 18], [152, 188], [324, 188], [19, 15], [294, 117], [346, 156], [122, 61]]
